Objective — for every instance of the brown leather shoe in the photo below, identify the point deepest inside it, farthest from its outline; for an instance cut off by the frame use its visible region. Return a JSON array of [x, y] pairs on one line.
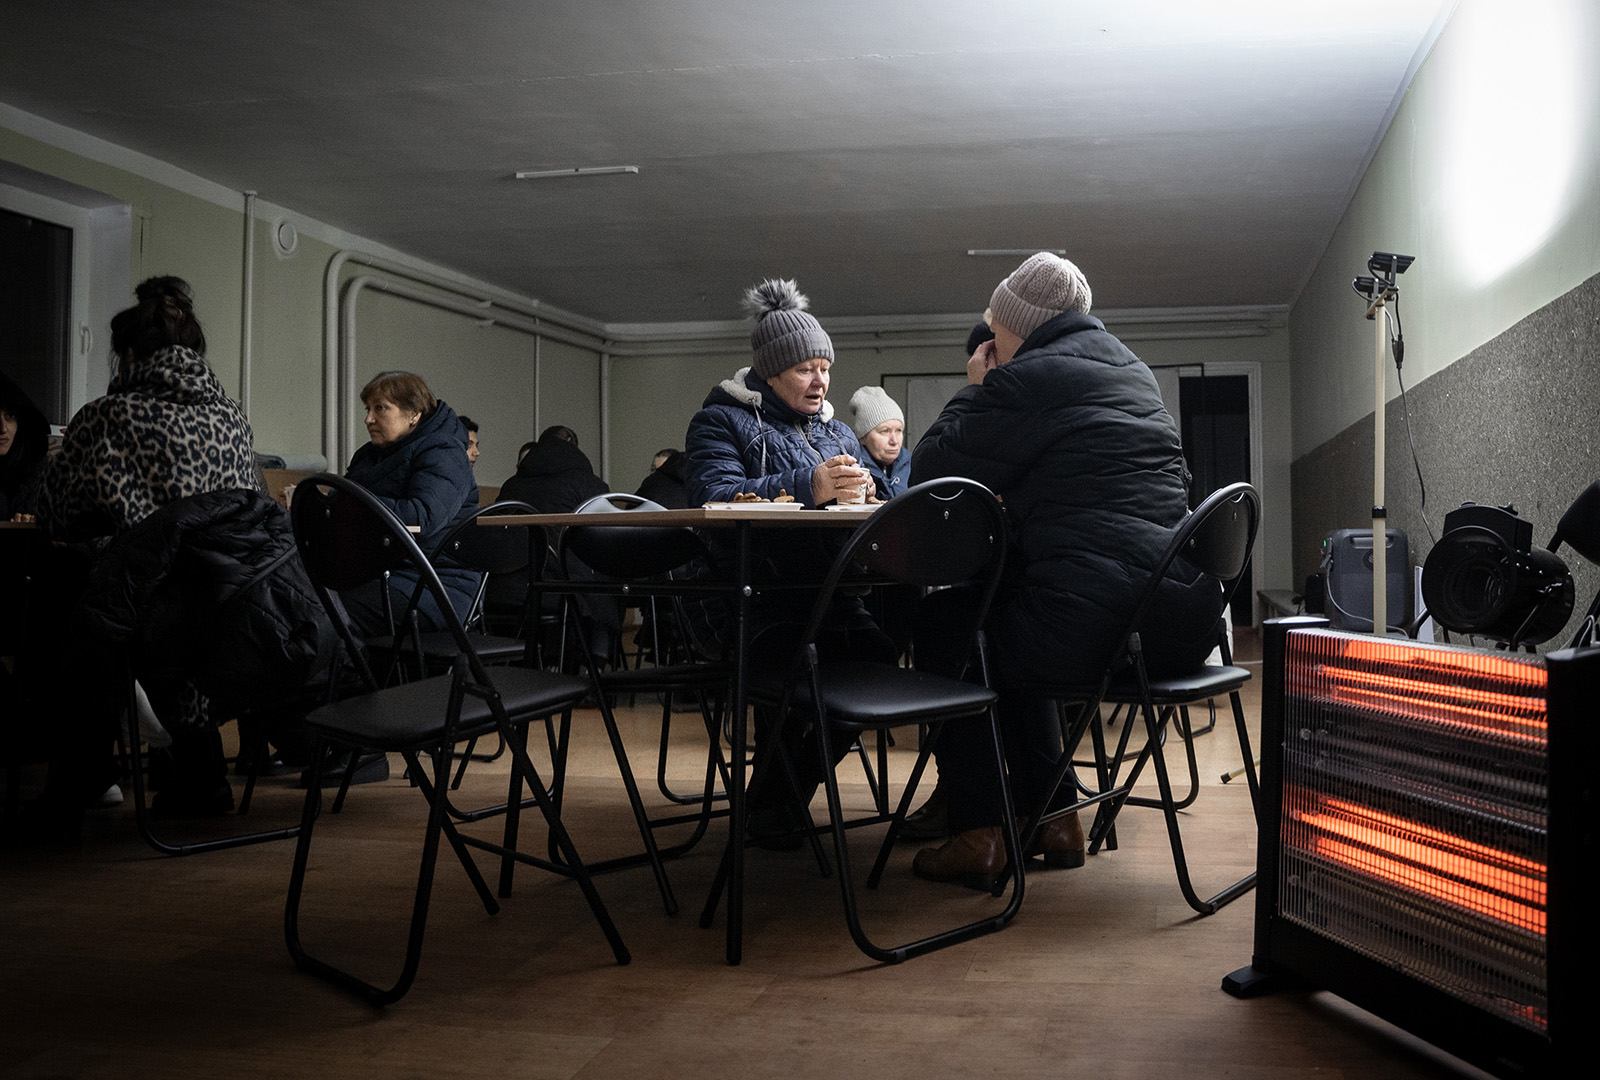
[[976, 858], [1060, 842]]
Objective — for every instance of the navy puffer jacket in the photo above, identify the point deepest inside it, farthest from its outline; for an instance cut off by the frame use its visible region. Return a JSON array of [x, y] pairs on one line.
[[745, 438], [895, 478], [1073, 435], [426, 479]]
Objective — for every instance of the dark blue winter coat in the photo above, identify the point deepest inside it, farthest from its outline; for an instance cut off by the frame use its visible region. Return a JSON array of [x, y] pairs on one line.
[[1073, 435], [426, 479], [893, 480], [745, 438]]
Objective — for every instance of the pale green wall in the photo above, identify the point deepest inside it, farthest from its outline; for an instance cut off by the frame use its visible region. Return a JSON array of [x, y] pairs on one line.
[[489, 373], [1403, 204], [653, 398]]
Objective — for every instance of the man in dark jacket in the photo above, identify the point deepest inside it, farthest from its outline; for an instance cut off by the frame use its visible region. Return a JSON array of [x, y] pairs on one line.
[[554, 477], [1067, 425]]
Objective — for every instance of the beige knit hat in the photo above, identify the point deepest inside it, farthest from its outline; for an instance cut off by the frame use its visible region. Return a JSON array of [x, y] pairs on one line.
[[1037, 291], [871, 406]]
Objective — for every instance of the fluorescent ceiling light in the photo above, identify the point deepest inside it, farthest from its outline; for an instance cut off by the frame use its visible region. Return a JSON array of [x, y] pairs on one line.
[[1016, 251], [590, 170]]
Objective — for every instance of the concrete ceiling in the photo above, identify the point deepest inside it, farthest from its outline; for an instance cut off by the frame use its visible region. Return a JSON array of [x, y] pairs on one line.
[[1183, 153]]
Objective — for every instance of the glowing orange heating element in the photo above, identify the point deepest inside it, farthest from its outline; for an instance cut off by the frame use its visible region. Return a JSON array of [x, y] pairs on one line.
[[1426, 860], [1494, 694]]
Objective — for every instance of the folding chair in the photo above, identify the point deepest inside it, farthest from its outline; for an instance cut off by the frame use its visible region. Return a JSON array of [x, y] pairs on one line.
[[347, 538], [1217, 538], [942, 532], [640, 559], [490, 550]]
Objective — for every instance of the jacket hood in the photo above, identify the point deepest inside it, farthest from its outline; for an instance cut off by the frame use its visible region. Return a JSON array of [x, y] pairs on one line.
[[554, 458], [176, 374], [753, 392]]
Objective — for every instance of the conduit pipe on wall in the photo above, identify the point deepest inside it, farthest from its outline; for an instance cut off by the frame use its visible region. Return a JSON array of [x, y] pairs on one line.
[[530, 317], [461, 304], [247, 300]]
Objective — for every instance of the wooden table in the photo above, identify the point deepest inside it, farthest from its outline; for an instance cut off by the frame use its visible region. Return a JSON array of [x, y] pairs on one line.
[[744, 518]]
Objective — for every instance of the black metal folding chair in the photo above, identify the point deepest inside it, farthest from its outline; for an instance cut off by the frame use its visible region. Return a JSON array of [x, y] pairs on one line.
[[642, 559], [347, 538], [490, 550], [1217, 538], [942, 532]]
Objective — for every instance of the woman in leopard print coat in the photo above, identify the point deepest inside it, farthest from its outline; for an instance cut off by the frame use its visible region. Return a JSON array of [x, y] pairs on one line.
[[165, 430]]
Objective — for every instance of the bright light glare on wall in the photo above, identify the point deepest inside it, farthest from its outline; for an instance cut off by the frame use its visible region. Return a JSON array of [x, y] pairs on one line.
[[1514, 102]]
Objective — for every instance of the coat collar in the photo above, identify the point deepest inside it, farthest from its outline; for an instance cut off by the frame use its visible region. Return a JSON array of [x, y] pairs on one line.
[[754, 392]]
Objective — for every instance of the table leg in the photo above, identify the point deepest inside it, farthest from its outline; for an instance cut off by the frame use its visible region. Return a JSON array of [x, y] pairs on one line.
[[736, 794]]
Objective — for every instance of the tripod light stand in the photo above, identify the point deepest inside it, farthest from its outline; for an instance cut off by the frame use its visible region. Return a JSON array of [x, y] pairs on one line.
[[1377, 290]]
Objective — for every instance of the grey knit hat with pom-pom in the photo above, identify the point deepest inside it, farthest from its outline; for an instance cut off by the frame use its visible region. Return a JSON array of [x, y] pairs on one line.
[[785, 335], [1044, 286]]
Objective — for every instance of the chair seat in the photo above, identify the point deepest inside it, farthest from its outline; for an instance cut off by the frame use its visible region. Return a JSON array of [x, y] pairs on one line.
[[646, 680], [412, 714], [860, 694], [1213, 680], [491, 648]]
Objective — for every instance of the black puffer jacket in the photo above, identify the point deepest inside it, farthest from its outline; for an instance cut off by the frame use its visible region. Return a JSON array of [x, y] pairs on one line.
[[1073, 436], [211, 588], [555, 477]]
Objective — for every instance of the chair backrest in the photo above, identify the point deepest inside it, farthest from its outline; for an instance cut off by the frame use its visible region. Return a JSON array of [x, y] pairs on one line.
[[629, 552], [347, 538], [941, 532], [1217, 537], [493, 549]]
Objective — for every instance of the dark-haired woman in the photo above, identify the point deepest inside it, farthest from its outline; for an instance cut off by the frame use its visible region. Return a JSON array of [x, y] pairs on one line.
[[415, 462], [166, 429], [24, 441]]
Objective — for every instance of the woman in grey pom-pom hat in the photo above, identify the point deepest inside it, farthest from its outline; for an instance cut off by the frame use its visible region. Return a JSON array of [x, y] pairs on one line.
[[771, 427], [771, 430]]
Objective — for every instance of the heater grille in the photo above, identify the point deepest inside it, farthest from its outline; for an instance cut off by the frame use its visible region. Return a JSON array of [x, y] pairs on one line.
[[1415, 813]]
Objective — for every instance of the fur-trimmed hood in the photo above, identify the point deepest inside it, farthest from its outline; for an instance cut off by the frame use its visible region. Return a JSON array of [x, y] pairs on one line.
[[739, 388]]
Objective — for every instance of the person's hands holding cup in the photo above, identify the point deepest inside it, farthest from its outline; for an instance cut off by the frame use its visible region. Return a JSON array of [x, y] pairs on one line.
[[841, 480]]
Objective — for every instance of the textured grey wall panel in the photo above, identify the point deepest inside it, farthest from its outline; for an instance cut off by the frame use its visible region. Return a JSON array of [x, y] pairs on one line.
[[1516, 421]]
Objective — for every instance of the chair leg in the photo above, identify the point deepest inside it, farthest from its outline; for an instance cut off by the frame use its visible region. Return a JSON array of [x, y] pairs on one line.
[[571, 866], [1170, 811], [906, 796], [652, 853], [897, 953], [1249, 755], [714, 753], [373, 995], [1177, 718], [128, 737]]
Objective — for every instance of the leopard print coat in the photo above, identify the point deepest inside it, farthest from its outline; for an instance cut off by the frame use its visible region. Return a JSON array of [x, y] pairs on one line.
[[165, 430]]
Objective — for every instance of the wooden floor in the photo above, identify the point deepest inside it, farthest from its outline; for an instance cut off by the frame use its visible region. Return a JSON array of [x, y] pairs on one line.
[[119, 962]]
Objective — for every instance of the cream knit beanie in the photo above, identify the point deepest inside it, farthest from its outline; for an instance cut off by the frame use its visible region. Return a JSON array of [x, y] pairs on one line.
[[871, 406], [1037, 291]]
